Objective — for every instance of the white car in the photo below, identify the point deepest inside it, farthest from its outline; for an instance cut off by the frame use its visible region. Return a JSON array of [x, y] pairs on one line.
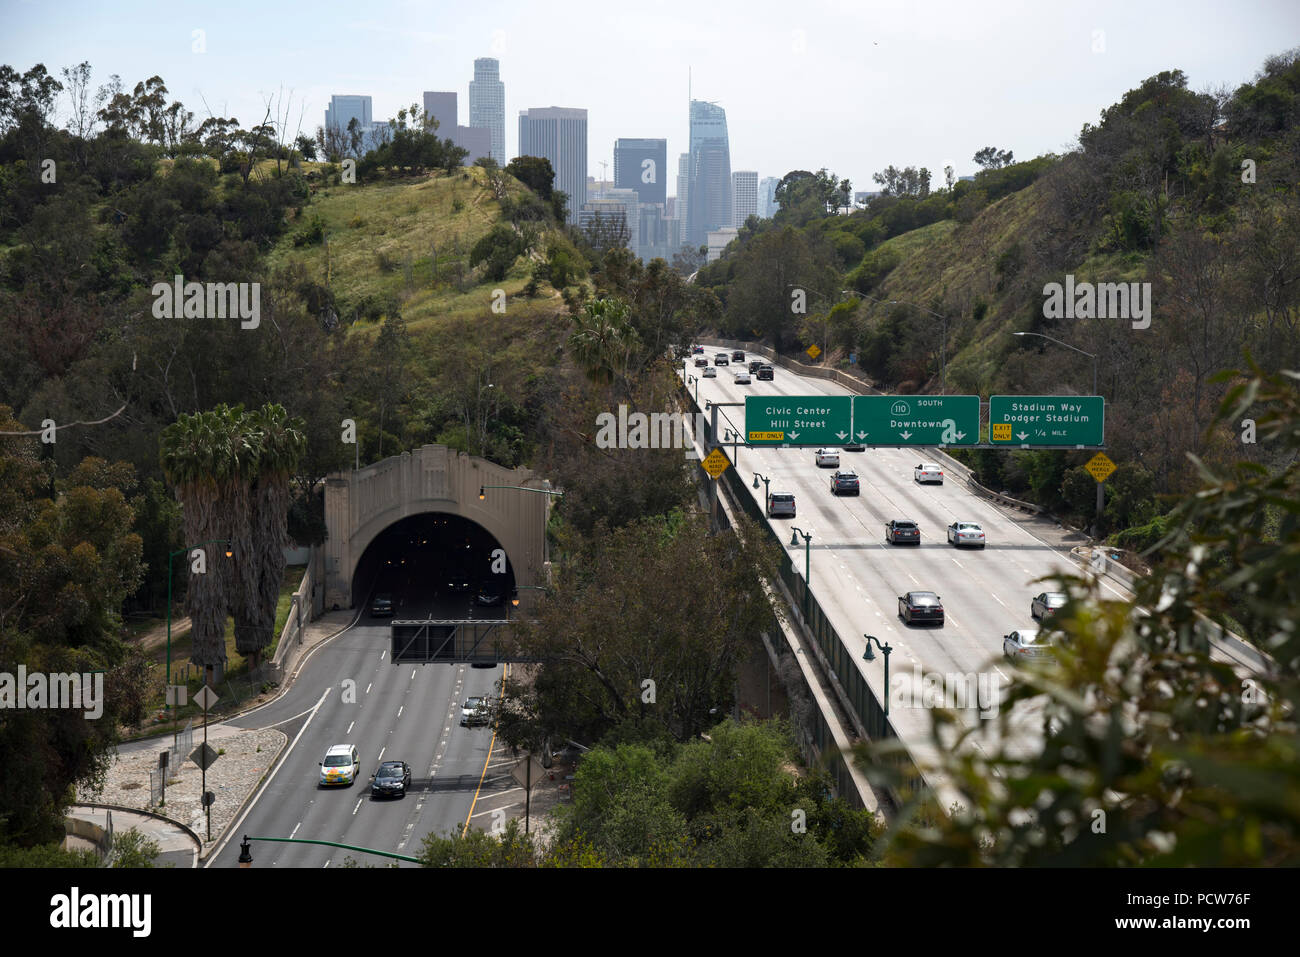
[[827, 458], [742, 377], [1026, 644], [965, 533], [341, 765], [928, 473], [710, 372], [474, 711]]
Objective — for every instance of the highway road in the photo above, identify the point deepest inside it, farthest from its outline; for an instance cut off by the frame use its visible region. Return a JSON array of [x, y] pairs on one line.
[[348, 692], [857, 576]]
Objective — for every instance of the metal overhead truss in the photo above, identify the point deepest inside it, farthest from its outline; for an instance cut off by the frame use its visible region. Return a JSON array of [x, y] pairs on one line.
[[450, 641]]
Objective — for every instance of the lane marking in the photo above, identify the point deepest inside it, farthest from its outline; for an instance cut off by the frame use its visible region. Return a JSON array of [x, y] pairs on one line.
[[369, 686], [357, 808], [295, 829], [349, 730], [505, 670]]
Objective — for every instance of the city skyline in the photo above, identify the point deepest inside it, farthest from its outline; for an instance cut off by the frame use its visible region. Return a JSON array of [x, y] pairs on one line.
[[853, 88]]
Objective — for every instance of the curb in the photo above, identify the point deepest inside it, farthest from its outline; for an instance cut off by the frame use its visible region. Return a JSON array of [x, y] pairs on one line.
[[158, 817]]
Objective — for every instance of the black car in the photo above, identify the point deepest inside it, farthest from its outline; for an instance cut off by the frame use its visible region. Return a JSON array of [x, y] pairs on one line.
[[458, 583], [755, 365], [738, 355], [391, 780], [845, 483], [490, 593], [901, 531], [766, 372], [382, 605], [920, 606]]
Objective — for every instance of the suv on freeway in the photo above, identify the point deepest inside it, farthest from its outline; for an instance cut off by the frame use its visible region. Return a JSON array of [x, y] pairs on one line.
[[738, 355], [755, 364], [765, 371], [780, 504], [341, 765], [474, 711]]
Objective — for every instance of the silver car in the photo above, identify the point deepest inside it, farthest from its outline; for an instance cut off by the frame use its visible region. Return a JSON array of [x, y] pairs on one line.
[[1045, 604], [1026, 644], [780, 505], [965, 533]]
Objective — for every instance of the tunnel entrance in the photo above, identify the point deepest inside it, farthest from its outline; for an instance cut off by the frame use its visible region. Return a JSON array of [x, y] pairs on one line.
[[433, 566]]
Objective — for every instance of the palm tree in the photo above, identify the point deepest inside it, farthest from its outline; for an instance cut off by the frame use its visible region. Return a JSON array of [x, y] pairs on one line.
[[281, 445], [604, 340], [203, 455]]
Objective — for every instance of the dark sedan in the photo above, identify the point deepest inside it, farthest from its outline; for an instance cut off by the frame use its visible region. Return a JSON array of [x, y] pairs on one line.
[[902, 531], [917, 606], [458, 583], [391, 780], [845, 483]]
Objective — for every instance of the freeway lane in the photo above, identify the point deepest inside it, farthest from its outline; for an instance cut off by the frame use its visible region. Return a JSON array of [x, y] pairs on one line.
[[405, 712], [857, 576]]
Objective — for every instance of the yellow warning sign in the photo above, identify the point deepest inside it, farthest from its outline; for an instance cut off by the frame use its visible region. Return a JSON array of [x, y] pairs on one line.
[[1100, 466], [716, 463], [813, 351], [1000, 431]]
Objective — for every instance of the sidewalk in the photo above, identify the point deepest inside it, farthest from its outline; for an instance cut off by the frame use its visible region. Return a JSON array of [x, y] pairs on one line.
[[178, 845]]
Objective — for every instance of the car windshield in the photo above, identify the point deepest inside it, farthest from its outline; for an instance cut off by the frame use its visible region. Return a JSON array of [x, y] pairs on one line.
[[390, 771], [905, 526], [1030, 637], [782, 498], [473, 702], [337, 760], [968, 526]]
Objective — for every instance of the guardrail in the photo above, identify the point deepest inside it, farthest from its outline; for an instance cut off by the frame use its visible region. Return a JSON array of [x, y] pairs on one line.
[[855, 695]]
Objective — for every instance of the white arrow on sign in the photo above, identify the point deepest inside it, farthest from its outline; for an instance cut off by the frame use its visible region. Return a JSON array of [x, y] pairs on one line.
[[905, 435], [793, 435], [862, 435], [960, 436], [1022, 436], [842, 435]]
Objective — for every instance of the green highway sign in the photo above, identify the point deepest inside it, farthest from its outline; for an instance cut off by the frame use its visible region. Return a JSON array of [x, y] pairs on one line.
[[916, 419], [1047, 420], [797, 420]]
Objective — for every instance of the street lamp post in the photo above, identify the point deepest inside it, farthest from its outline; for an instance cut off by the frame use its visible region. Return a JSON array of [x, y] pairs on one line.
[[807, 562], [870, 656], [943, 345], [182, 551], [1090, 355], [696, 380], [766, 488]]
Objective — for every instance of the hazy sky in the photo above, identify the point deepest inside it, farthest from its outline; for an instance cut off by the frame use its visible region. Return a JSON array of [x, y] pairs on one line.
[[852, 86]]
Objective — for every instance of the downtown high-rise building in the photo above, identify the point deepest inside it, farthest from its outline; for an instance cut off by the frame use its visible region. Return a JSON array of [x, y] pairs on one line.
[[767, 196], [442, 107], [683, 194], [560, 135], [744, 196], [709, 201], [343, 109], [641, 164], [487, 105]]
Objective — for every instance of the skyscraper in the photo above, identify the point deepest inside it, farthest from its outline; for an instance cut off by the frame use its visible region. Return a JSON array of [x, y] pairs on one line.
[[343, 109], [642, 165], [767, 196], [560, 135], [744, 196], [709, 201], [443, 108], [487, 105], [683, 193]]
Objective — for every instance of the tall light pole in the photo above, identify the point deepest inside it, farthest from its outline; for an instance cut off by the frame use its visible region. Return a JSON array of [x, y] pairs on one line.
[[767, 488], [695, 379], [807, 562], [1068, 346], [871, 656], [943, 346], [182, 551]]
